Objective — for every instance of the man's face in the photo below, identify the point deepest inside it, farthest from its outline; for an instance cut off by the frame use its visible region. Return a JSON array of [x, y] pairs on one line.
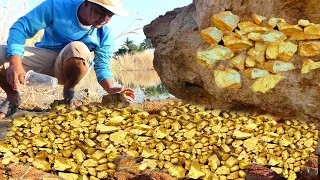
[[100, 16]]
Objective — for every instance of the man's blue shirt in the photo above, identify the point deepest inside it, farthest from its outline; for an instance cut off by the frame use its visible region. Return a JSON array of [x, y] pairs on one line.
[[59, 19]]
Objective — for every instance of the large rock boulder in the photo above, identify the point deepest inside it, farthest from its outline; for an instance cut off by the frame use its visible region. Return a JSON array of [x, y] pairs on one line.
[[176, 39]]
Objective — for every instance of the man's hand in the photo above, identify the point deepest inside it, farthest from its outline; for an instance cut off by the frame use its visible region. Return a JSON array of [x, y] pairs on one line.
[[127, 91], [15, 72]]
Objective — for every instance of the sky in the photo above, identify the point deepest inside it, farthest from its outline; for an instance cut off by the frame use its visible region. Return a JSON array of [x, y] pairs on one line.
[[142, 13]]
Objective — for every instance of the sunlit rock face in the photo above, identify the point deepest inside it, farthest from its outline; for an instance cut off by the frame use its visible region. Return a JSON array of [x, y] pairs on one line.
[[177, 39]]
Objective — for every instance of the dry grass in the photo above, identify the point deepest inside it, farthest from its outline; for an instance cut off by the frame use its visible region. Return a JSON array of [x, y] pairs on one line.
[[141, 61]]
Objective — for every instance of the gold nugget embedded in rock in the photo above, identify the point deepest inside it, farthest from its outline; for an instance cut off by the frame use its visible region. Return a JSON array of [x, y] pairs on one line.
[[254, 73], [226, 21], [212, 35], [214, 54], [308, 49], [278, 66], [228, 78], [309, 65], [266, 83]]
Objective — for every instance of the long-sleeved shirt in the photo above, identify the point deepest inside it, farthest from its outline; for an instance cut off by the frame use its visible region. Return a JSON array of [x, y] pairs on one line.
[[61, 24]]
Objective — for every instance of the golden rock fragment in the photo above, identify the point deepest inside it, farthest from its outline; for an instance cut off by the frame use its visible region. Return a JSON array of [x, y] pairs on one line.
[[90, 163], [235, 44], [228, 78], [266, 83], [274, 21], [262, 161], [288, 29], [41, 164], [308, 49], [232, 161], [285, 140], [177, 171], [309, 65], [292, 175], [249, 26], [226, 21], [60, 164], [250, 62], [106, 129], [114, 121], [195, 171], [212, 35], [278, 66], [273, 36], [254, 73], [241, 135], [214, 54], [89, 142], [245, 164], [68, 176], [160, 133], [255, 36], [272, 50], [250, 144], [303, 22], [223, 170], [287, 50], [258, 52], [312, 31], [118, 137], [258, 19]]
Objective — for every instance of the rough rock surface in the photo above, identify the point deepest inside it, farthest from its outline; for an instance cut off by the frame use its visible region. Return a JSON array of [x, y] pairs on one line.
[[176, 39]]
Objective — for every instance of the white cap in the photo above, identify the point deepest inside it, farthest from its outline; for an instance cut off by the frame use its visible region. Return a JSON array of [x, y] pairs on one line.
[[113, 6]]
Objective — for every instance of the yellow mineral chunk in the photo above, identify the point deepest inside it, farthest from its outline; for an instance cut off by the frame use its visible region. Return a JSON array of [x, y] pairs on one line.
[[241, 135], [278, 66], [68, 176], [308, 49], [231, 162], [89, 142], [258, 52], [303, 22], [250, 144], [285, 140], [266, 83], [272, 50], [287, 50], [309, 65], [243, 25], [195, 171], [160, 133], [250, 62], [212, 35], [254, 73], [106, 129], [238, 62], [245, 164], [312, 31], [228, 78], [308, 143], [273, 36], [274, 160], [262, 161], [258, 19], [118, 137], [213, 162], [78, 156], [274, 21], [292, 175], [36, 130], [115, 120], [251, 27], [4, 148], [213, 54], [146, 153], [98, 155], [288, 29], [255, 36], [226, 21], [60, 164], [223, 170], [90, 163], [177, 171], [236, 44], [298, 36], [241, 34], [277, 170], [41, 164]]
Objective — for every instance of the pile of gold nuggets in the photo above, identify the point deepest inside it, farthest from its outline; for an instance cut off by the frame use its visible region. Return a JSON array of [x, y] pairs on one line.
[[186, 140], [261, 49]]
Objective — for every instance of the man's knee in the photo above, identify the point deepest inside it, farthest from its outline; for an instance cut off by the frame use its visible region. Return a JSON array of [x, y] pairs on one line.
[[77, 49]]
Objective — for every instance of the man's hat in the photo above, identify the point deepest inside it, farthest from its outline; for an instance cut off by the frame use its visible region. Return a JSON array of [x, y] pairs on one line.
[[113, 6]]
